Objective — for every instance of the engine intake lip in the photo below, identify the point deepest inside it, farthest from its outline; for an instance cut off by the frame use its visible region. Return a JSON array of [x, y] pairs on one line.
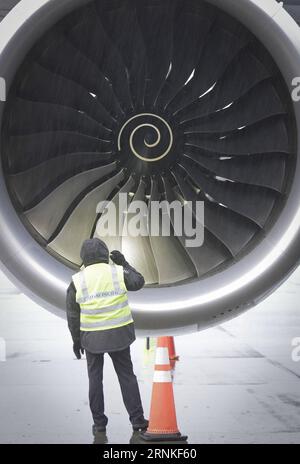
[[195, 305]]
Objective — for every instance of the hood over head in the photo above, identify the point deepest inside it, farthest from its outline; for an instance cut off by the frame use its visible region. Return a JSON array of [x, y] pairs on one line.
[[94, 251]]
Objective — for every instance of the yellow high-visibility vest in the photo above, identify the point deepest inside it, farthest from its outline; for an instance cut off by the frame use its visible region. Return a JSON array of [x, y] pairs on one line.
[[102, 296]]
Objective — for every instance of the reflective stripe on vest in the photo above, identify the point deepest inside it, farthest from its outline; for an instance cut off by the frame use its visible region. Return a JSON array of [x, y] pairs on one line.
[[102, 296], [96, 325], [107, 309]]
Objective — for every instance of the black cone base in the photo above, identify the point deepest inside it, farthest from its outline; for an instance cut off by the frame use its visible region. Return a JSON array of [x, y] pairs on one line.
[[155, 437]]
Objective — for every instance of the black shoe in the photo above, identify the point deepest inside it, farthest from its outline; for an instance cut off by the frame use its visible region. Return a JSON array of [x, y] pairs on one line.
[[98, 429], [140, 426], [100, 439]]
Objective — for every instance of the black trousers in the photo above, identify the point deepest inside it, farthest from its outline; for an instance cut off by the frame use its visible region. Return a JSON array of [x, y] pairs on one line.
[[128, 383]]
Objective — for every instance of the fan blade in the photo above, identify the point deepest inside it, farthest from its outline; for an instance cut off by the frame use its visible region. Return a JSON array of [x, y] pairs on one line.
[[138, 249], [231, 86], [227, 227], [220, 49], [41, 85], [259, 104], [28, 117], [190, 31], [195, 254], [31, 186], [60, 57], [115, 215], [122, 26], [156, 20], [253, 139], [254, 203], [91, 39], [27, 151], [230, 228], [46, 215], [171, 259], [216, 249], [261, 170], [79, 224]]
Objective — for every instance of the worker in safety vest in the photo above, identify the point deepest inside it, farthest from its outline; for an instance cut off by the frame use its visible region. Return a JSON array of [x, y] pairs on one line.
[[100, 321]]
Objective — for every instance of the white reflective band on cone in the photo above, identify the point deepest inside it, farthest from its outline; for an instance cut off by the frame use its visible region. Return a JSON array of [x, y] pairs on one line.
[[162, 377], [162, 356]]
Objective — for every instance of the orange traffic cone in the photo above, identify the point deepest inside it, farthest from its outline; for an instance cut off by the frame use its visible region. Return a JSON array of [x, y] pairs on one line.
[[172, 350], [163, 421]]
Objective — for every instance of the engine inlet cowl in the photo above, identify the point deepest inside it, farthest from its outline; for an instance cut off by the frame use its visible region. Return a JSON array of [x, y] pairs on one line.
[[157, 100]]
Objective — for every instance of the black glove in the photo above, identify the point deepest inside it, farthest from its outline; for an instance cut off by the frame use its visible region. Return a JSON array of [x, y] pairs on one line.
[[78, 350], [118, 258]]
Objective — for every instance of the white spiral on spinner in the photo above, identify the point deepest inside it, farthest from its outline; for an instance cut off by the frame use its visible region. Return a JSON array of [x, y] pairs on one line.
[[158, 155]]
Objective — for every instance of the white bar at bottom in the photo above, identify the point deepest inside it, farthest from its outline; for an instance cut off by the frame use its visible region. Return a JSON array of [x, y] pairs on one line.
[[162, 377]]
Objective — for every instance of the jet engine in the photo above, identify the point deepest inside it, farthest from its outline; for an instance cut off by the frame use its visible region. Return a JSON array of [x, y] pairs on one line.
[[158, 100]]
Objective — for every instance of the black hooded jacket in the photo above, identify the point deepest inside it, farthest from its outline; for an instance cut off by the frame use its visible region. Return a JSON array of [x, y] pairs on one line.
[[93, 252]]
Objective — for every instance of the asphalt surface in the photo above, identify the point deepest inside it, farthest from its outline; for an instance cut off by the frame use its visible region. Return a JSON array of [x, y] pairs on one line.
[[236, 383]]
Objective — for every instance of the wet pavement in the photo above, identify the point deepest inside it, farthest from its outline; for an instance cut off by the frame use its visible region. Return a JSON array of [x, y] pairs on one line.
[[236, 383]]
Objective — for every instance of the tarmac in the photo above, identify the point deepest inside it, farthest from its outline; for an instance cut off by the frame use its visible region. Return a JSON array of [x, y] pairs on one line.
[[236, 383]]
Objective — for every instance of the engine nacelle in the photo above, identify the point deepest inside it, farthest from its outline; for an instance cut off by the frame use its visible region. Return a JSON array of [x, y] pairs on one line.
[[158, 100]]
